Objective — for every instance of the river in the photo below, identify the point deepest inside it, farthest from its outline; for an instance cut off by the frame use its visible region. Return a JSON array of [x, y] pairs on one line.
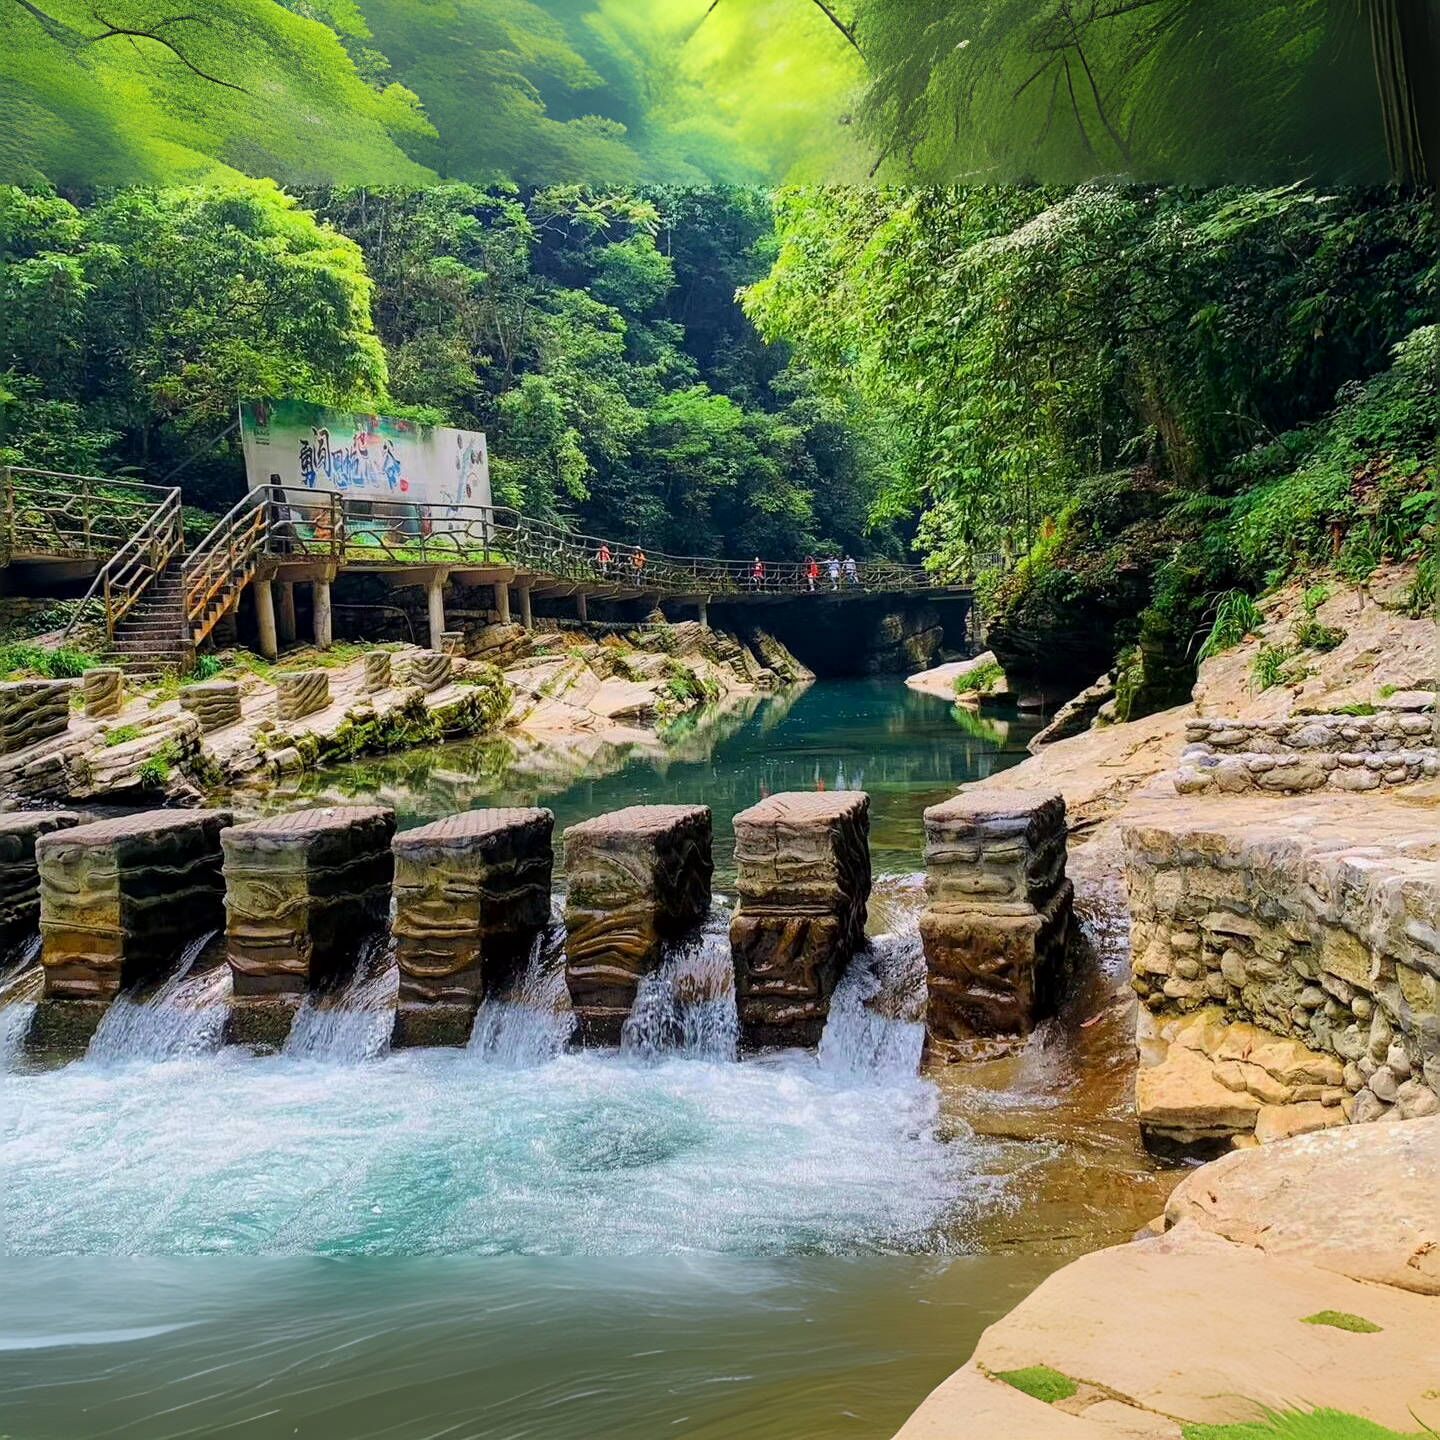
[[515, 1240]]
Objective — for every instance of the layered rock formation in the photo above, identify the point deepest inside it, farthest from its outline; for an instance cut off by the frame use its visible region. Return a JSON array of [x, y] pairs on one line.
[[998, 915], [635, 878], [379, 666], [299, 693], [424, 669], [803, 862], [214, 704], [32, 711], [472, 892], [1318, 923], [120, 898], [302, 892], [19, 874], [103, 690]]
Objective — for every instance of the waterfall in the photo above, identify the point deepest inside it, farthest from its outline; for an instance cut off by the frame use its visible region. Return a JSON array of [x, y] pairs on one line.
[[686, 1007], [529, 1023], [876, 1026], [19, 991], [352, 1023], [184, 1016]]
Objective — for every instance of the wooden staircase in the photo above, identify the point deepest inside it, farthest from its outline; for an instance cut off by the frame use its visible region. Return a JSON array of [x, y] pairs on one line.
[[152, 635], [217, 571]]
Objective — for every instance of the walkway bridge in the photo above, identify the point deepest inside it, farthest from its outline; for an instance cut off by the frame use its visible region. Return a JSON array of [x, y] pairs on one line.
[[159, 603]]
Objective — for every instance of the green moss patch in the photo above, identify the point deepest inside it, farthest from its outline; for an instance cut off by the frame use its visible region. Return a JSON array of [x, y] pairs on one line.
[[1315, 1425], [1343, 1320], [1040, 1382]]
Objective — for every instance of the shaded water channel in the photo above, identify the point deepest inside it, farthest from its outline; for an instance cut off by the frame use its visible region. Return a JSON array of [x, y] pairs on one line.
[[515, 1240]]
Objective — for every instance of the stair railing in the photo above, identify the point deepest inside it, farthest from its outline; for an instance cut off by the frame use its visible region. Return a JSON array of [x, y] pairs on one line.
[[128, 573], [219, 568]]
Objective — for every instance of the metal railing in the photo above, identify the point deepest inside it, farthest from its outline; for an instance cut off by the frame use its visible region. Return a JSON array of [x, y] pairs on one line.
[[50, 515], [380, 533], [130, 571]]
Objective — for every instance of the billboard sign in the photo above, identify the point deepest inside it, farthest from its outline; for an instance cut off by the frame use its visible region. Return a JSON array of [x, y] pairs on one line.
[[372, 457]]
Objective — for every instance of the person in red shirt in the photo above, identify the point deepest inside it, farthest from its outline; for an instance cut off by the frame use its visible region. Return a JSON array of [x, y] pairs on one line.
[[812, 572], [602, 558], [757, 573]]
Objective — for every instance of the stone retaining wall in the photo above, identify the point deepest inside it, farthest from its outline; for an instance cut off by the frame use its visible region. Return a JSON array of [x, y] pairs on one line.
[[1395, 746], [1319, 928]]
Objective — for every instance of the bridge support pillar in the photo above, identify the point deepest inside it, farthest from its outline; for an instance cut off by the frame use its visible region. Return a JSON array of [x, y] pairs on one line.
[[527, 614], [435, 595], [265, 618], [703, 609], [582, 608], [324, 632], [285, 612], [502, 600]]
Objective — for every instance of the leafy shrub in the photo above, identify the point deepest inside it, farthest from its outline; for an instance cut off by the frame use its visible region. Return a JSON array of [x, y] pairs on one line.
[[979, 680], [1272, 666], [1314, 597], [1313, 635], [1236, 617], [61, 664], [206, 667], [121, 734]]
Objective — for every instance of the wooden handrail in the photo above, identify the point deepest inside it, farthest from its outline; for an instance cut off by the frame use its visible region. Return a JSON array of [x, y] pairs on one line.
[[219, 568]]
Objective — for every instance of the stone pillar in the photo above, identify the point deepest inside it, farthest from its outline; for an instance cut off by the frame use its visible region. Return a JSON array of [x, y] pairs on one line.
[[703, 609], [435, 599], [502, 600], [19, 874], [120, 898], [32, 711], [527, 614], [214, 703], [635, 878], [425, 669], [323, 625], [265, 618], [582, 608], [287, 628], [103, 689], [302, 891], [379, 665], [995, 927], [803, 862], [299, 693], [472, 892]]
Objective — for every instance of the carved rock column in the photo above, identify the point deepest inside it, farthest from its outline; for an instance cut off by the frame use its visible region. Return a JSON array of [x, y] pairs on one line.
[[104, 691], [998, 916], [634, 879], [804, 883], [302, 891], [472, 892], [424, 668], [299, 693], [120, 898], [32, 711], [19, 874], [214, 703], [378, 666]]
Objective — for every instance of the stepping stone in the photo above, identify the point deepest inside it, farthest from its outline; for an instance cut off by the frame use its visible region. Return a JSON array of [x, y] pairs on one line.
[[635, 879], [32, 711], [104, 691], [299, 693], [804, 883], [214, 703], [472, 892]]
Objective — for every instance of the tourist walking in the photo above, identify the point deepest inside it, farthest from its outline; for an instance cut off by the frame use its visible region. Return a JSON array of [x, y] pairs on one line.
[[638, 562], [833, 566], [602, 559], [812, 572], [851, 575], [757, 574]]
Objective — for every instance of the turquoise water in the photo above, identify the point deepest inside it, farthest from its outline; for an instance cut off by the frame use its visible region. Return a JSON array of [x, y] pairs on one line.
[[512, 1240]]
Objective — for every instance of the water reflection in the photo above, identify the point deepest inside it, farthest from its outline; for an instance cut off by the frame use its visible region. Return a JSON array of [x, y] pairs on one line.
[[907, 749]]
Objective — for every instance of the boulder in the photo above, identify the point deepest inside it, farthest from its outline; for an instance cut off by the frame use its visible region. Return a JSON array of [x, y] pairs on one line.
[[803, 863], [635, 878], [1075, 716], [120, 898], [32, 711], [997, 918], [472, 892]]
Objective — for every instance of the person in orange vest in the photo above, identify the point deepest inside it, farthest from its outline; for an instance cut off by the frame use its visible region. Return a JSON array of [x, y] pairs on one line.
[[602, 558], [637, 562]]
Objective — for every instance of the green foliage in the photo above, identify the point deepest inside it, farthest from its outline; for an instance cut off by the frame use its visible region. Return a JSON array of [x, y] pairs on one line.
[[1314, 597], [1274, 665], [122, 734], [979, 680], [206, 667], [35, 662], [1236, 616], [1040, 1382], [1343, 1320], [155, 773], [1311, 1425], [1313, 635]]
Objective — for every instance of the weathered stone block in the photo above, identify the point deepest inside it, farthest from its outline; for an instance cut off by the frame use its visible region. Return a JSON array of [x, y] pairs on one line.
[[32, 711], [299, 693], [120, 898], [998, 918], [19, 874], [635, 878], [804, 882], [103, 689], [472, 892], [301, 892], [378, 669], [214, 703], [425, 669]]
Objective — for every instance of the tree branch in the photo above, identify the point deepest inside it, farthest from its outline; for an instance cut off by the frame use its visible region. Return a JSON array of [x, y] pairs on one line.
[[846, 30]]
